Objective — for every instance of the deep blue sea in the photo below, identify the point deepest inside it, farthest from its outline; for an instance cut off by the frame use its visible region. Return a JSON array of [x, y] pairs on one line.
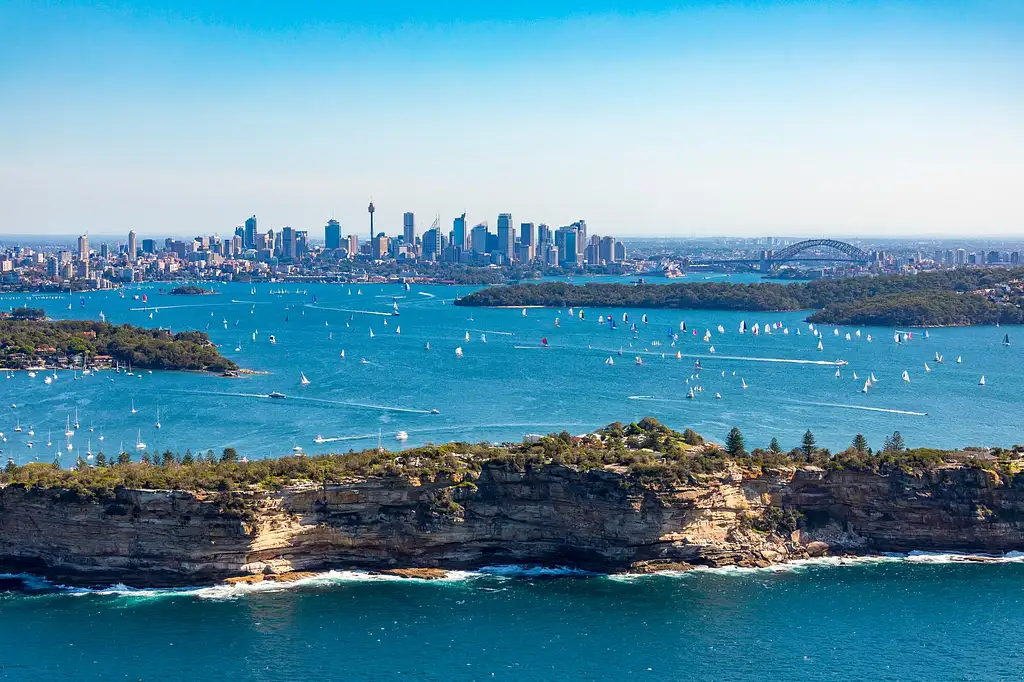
[[506, 384], [901, 619], [921, 619]]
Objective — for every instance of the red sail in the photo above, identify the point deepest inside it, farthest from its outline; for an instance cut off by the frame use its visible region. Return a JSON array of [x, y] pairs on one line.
[[544, 340]]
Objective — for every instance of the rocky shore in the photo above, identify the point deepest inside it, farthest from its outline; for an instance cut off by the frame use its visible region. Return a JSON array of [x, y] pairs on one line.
[[554, 515]]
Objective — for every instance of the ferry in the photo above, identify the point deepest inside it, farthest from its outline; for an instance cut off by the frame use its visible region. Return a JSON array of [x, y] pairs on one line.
[[275, 394]]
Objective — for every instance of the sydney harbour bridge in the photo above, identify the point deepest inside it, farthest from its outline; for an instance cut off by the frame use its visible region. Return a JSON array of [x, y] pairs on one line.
[[844, 253]]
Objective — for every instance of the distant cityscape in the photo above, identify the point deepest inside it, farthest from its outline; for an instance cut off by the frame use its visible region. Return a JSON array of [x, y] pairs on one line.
[[462, 254]]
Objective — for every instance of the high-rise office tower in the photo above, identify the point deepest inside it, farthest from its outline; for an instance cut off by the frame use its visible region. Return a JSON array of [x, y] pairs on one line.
[[506, 236], [409, 228], [133, 246], [606, 251], [459, 234], [332, 234], [250, 233], [83, 247], [287, 242], [478, 238], [432, 244]]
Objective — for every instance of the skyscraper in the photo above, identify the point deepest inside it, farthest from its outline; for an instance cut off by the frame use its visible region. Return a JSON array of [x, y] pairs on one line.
[[409, 228], [567, 240], [506, 236], [288, 243], [543, 235], [607, 249], [250, 233], [432, 244], [133, 246], [332, 234], [83, 247], [479, 239], [459, 234]]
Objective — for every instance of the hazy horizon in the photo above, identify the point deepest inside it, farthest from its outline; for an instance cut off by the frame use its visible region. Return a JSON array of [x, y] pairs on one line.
[[853, 119]]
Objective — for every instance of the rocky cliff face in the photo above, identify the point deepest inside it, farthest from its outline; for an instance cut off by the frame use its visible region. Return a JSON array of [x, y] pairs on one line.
[[549, 515]]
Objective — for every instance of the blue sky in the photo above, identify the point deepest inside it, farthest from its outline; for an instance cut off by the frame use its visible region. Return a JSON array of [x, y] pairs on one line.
[[690, 118]]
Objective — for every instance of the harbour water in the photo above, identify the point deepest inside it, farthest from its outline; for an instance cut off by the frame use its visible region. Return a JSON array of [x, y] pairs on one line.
[[506, 384], [898, 619]]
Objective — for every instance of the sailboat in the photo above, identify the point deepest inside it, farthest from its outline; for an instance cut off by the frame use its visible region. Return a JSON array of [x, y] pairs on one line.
[[643, 318], [721, 329], [938, 358], [848, 338], [18, 427], [927, 368], [342, 352], [855, 376], [67, 428], [467, 337], [524, 312], [867, 384], [743, 327], [679, 355], [958, 359], [711, 349], [394, 309], [690, 395], [238, 346], [837, 374], [981, 382], [872, 378], [743, 382], [458, 352], [133, 406], [835, 332], [819, 345], [609, 361], [906, 376], [398, 329], [303, 380], [1006, 339], [638, 360], [371, 333], [483, 338], [139, 445], [426, 346], [869, 338], [49, 441], [77, 426]]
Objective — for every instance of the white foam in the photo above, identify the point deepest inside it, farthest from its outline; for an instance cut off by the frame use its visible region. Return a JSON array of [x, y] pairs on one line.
[[862, 407], [516, 571]]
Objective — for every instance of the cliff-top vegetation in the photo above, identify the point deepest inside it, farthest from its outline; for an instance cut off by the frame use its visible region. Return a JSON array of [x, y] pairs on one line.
[[645, 452]]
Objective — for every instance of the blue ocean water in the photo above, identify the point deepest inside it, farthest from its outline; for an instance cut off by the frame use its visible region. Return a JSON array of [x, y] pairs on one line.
[[505, 387], [891, 620]]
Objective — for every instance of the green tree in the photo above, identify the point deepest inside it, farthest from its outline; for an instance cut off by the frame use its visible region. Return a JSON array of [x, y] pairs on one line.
[[11, 466], [124, 458], [187, 460], [894, 443], [101, 460], [734, 444], [774, 447], [808, 443], [860, 443], [691, 437], [229, 455], [167, 458]]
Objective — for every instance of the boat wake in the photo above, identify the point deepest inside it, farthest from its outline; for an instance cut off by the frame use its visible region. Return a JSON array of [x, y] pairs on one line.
[[492, 331], [861, 407], [367, 406], [346, 310], [187, 305]]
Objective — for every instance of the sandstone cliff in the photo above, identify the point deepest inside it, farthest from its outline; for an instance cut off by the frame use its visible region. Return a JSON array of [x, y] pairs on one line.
[[596, 520]]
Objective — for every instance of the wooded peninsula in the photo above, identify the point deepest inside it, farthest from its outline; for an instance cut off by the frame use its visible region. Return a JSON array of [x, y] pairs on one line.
[[29, 340], [946, 298]]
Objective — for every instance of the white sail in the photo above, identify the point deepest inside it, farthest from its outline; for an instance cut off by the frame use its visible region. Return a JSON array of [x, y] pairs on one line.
[[711, 350], [524, 312], [981, 382], [303, 380], [609, 361], [848, 338], [483, 338], [906, 376], [721, 329], [820, 347], [873, 379], [927, 368], [958, 359], [371, 333], [458, 352], [837, 374], [743, 382], [398, 329], [867, 385], [855, 376]]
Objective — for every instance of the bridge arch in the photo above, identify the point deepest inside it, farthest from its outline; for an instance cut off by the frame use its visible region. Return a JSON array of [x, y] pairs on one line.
[[849, 250]]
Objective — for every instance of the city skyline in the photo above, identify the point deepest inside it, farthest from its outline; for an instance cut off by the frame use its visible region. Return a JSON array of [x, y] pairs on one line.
[[852, 119]]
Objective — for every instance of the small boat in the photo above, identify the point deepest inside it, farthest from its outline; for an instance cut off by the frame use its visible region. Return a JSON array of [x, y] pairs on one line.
[[609, 361], [639, 360], [855, 376], [401, 435], [1006, 339], [743, 383], [319, 439], [981, 382], [837, 374], [342, 352], [426, 346], [67, 428], [467, 337], [18, 426], [958, 359], [157, 424], [133, 406], [927, 368], [872, 379], [273, 341], [906, 376], [867, 385], [711, 349], [398, 329], [77, 425], [139, 445], [718, 396], [31, 375], [483, 338], [303, 379], [435, 411], [275, 394], [458, 352], [819, 345], [48, 380]]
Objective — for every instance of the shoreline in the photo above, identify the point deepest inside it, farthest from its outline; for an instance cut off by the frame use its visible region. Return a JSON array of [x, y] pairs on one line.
[[28, 581]]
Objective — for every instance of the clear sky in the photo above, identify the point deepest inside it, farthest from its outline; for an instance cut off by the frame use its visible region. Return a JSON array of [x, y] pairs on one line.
[[644, 117]]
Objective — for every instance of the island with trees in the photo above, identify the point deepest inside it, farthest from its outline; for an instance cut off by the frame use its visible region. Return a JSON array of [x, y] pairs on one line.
[[943, 298], [28, 340], [190, 290]]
